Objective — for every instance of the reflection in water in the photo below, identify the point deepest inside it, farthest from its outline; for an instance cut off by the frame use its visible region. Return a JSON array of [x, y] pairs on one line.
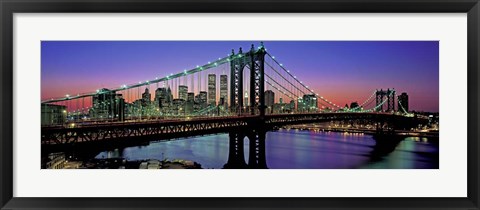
[[294, 150]]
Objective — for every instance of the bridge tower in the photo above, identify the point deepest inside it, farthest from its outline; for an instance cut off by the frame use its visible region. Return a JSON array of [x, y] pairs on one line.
[[391, 100], [380, 96], [254, 60]]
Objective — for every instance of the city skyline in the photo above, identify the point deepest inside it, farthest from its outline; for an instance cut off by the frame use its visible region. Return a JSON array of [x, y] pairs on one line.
[[347, 78], [250, 93]]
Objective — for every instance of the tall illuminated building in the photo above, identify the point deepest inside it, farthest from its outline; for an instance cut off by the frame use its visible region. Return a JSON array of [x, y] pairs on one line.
[[403, 102], [310, 102], [160, 97], [182, 92], [224, 88], [269, 100], [107, 104], [189, 103], [212, 89], [146, 96], [201, 99]]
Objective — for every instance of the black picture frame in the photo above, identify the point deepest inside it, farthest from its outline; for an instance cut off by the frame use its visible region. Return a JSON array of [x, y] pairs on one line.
[[9, 7]]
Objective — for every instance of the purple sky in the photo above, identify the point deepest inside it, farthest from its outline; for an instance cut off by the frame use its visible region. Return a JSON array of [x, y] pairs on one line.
[[341, 71]]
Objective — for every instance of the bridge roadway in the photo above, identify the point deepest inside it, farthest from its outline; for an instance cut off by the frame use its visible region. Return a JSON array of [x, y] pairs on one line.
[[170, 129]]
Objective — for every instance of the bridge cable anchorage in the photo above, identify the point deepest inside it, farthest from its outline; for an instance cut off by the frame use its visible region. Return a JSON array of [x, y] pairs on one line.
[[288, 72]]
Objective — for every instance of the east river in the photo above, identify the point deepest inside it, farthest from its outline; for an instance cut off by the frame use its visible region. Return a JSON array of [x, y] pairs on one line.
[[294, 149]]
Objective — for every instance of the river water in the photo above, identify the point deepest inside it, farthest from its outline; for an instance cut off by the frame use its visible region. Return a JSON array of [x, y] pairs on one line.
[[294, 149]]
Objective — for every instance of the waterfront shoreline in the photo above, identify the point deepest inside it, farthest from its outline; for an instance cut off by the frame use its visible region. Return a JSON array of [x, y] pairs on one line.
[[433, 135], [122, 163]]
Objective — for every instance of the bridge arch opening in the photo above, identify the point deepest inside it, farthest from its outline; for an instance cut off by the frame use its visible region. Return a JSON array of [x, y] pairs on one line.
[[246, 148]]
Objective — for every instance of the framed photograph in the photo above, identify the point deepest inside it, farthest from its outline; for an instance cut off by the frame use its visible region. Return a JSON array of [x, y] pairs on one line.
[[257, 105]]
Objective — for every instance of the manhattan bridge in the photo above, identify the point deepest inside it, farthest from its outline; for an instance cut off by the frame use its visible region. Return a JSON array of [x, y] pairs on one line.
[[245, 94]]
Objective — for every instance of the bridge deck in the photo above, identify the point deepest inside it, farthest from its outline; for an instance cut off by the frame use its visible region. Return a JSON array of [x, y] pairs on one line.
[[164, 129]]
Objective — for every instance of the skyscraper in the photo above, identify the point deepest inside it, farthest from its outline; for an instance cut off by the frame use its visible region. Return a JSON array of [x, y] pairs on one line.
[[160, 95], [224, 88], [212, 89], [269, 100], [145, 102], [403, 102], [202, 99], [169, 95], [178, 106], [106, 104], [190, 96], [163, 99], [189, 103], [310, 101], [301, 104], [146, 96], [292, 105], [182, 92]]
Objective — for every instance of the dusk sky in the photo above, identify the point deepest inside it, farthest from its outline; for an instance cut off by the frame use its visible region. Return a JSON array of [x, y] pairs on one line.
[[341, 71]]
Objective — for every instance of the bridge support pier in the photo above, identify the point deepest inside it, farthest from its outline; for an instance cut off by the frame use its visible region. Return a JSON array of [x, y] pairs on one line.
[[256, 157], [236, 157]]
